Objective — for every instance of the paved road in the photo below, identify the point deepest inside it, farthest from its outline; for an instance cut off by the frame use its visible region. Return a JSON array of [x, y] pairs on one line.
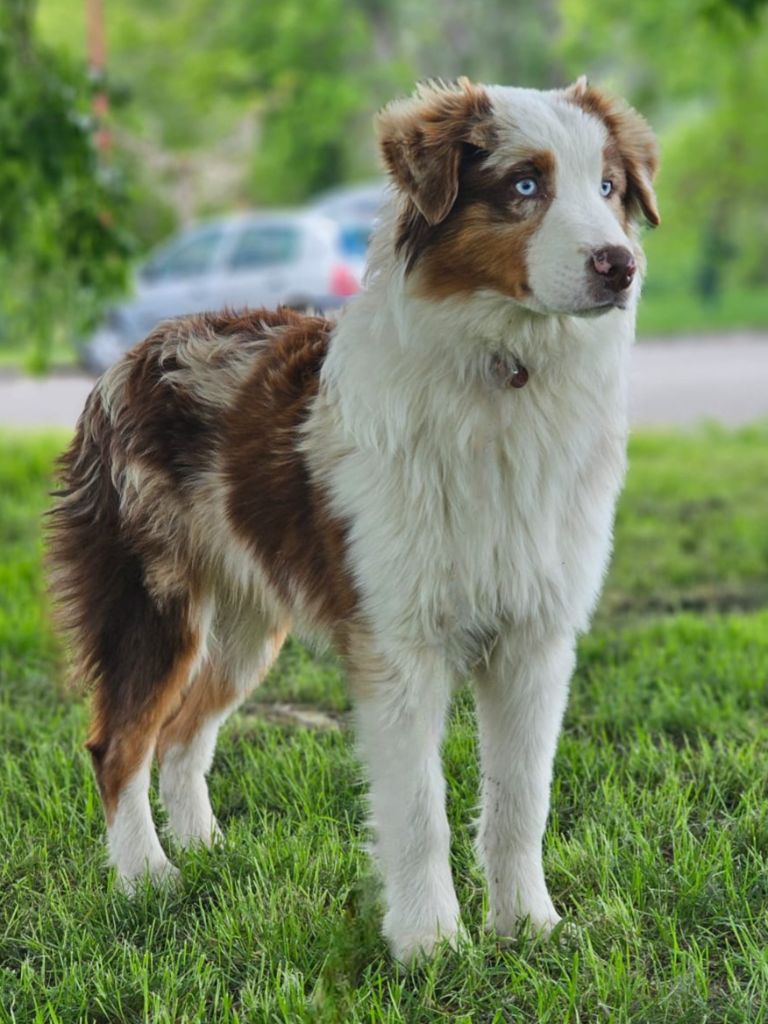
[[687, 380], [678, 382]]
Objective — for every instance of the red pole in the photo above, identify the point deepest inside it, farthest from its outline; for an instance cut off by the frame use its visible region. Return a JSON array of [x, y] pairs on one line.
[[97, 63]]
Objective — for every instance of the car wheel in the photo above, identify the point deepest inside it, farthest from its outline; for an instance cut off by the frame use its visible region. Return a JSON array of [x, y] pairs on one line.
[[300, 304]]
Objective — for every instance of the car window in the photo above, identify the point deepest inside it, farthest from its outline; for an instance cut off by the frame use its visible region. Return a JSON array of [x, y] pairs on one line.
[[191, 255], [354, 239], [265, 246]]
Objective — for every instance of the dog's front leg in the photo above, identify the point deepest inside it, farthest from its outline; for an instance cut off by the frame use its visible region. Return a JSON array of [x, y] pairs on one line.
[[400, 720], [520, 704]]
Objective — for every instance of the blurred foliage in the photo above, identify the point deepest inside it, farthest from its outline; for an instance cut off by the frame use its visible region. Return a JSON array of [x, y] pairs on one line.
[[216, 105], [308, 64], [64, 218], [311, 75]]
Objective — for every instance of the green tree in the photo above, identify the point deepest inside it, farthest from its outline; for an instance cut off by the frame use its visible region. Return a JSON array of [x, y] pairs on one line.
[[63, 216], [311, 67], [308, 75]]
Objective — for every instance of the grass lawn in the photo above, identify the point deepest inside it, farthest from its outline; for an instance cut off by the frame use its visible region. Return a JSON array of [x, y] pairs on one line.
[[656, 848], [664, 313], [18, 356]]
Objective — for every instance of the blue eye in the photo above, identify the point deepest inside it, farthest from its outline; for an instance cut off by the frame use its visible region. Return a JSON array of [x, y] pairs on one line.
[[606, 187], [527, 186]]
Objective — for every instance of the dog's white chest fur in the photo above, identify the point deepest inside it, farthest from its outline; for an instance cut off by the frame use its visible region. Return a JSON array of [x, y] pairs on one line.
[[474, 507]]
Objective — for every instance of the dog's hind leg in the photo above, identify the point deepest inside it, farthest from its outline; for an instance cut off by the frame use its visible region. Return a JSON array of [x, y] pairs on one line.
[[242, 649], [148, 651]]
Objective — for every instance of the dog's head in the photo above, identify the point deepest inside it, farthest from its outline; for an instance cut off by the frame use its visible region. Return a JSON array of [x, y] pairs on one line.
[[530, 194]]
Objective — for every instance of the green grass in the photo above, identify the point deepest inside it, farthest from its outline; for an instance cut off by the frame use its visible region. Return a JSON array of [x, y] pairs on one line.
[[691, 524], [656, 848], [663, 313], [19, 355]]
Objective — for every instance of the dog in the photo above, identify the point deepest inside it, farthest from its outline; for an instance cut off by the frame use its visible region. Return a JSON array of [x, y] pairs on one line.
[[429, 482]]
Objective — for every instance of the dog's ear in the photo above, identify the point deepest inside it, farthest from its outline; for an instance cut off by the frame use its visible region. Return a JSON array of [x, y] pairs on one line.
[[634, 139], [422, 138]]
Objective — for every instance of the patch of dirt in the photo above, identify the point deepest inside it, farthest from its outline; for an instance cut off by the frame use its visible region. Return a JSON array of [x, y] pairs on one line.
[[303, 716], [713, 598]]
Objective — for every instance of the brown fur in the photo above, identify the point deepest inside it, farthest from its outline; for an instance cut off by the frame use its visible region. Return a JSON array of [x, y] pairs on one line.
[[274, 504], [211, 693], [422, 139], [122, 734], [205, 398], [614, 170], [482, 242]]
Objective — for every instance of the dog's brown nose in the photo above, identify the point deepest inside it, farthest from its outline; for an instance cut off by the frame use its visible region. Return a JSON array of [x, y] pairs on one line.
[[616, 267]]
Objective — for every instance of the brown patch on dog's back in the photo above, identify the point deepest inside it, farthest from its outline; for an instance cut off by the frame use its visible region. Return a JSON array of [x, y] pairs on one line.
[[273, 502], [167, 412], [164, 425]]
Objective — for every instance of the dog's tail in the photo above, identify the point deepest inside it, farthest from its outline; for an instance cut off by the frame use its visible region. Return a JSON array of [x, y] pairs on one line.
[[87, 565], [97, 565]]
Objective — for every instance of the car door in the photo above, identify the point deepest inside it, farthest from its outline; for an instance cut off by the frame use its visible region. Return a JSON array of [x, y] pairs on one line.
[[178, 279], [258, 268]]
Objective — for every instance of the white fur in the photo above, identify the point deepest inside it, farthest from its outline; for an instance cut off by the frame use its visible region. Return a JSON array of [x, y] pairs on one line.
[[400, 719], [184, 790], [241, 645], [134, 849], [579, 221], [520, 704], [480, 527]]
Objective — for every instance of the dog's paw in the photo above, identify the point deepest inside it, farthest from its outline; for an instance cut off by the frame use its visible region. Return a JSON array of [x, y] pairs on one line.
[[200, 834], [414, 946], [540, 919], [160, 874]]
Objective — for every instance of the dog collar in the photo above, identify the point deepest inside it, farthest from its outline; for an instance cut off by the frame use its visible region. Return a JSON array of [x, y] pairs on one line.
[[509, 372]]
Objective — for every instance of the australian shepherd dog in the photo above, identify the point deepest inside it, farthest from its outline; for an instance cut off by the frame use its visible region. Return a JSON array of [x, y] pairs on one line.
[[428, 482]]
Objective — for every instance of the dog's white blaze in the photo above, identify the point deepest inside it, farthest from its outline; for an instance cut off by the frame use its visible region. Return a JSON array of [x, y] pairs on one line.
[[579, 220]]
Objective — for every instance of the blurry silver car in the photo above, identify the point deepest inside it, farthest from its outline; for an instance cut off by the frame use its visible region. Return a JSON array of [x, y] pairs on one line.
[[355, 209], [352, 203], [294, 258]]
